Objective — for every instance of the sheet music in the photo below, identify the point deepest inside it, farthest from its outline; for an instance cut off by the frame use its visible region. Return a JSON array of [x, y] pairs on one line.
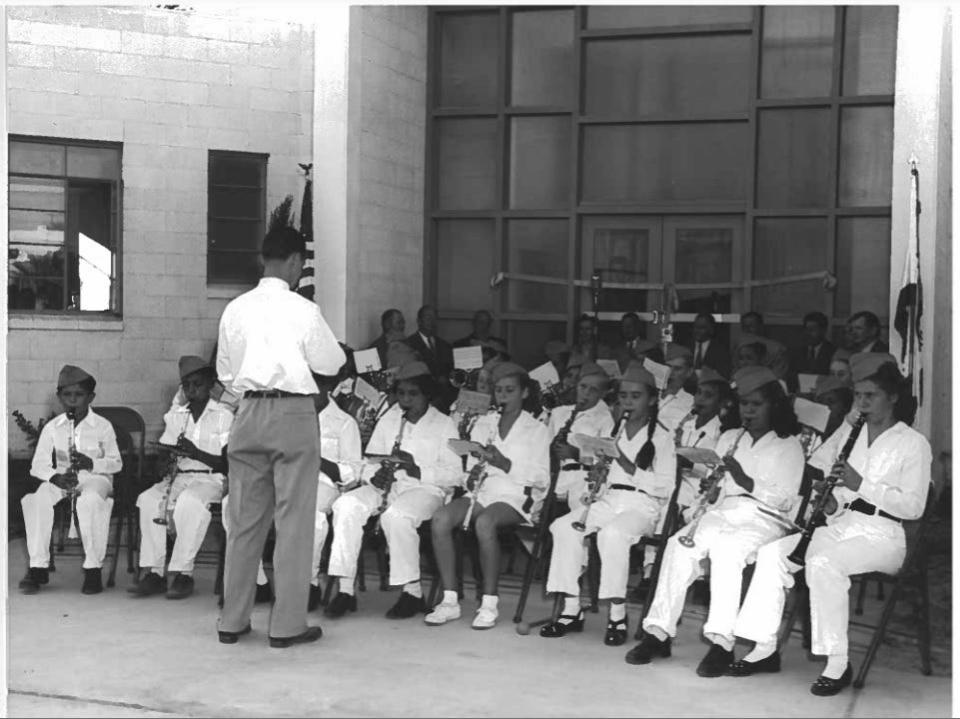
[[468, 358], [367, 360]]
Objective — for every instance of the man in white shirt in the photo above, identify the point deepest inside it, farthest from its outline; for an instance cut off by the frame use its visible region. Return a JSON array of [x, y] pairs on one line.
[[271, 339], [196, 433]]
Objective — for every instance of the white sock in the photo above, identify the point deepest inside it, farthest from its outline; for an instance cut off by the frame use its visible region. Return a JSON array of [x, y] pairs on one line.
[[720, 640], [617, 612], [836, 666], [346, 585], [760, 651], [450, 598], [153, 570], [656, 632], [413, 588], [489, 601], [571, 606]]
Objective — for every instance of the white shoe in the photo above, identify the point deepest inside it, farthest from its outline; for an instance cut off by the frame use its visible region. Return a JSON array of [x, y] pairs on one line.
[[486, 618], [443, 613]]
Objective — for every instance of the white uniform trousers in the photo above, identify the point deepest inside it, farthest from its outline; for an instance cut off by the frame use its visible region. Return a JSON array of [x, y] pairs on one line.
[[835, 552], [619, 518], [191, 495], [94, 506], [686, 498], [572, 485], [729, 537], [326, 495], [405, 512]]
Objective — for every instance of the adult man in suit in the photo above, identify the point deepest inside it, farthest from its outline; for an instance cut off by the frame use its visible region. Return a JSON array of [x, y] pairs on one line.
[[865, 333], [393, 326], [436, 353], [707, 351], [814, 357], [635, 346], [482, 322], [751, 323]]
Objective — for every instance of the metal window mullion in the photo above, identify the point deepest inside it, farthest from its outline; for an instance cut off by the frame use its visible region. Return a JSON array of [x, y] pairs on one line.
[[66, 252], [575, 160], [667, 31], [753, 123], [503, 162], [830, 300], [429, 285]]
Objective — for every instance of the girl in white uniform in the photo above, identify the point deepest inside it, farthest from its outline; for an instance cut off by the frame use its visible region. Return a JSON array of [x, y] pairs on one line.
[[516, 462], [763, 473], [884, 481], [638, 487]]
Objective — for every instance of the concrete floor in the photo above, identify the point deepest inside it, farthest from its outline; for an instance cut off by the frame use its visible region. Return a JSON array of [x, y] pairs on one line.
[[111, 655]]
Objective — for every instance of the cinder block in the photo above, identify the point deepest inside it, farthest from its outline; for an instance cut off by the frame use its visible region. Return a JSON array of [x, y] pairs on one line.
[[189, 93], [273, 100], [164, 22], [82, 106], [145, 132], [250, 75], [31, 101], [199, 25], [101, 346], [121, 18], [140, 43], [177, 135], [233, 96], [23, 54], [182, 221], [231, 53], [117, 63], [187, 48]]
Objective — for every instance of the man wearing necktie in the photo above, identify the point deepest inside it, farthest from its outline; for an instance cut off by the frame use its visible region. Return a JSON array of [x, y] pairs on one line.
[[271, 340], [814, 356], [435, 352], [707, 351]]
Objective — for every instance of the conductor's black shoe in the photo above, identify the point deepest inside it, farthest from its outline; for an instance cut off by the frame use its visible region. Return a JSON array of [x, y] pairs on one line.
[[264, 594], [150, 583], [407, 606], [316, 596], [312, 634], [340, 605], [616, 634], [743, 668], [35, 576], [648, 648], [233, 637], [826, 687], [92, 582], [181, 587], [562, 628], [716, 662]]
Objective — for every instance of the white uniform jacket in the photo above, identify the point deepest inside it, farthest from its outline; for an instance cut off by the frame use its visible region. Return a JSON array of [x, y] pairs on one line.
[[340, 444], [209, 433], [659, 480], [92, 436], [776, 466]]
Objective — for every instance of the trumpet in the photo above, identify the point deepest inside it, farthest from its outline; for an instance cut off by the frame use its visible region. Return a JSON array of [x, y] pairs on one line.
[[598, 476], [818, 515], [713, 481], [392, 467], [74, 490], [479, 470]]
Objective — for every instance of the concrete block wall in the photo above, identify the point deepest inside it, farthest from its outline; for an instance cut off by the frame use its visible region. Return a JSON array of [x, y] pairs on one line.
[[386, 135], [169, 85]]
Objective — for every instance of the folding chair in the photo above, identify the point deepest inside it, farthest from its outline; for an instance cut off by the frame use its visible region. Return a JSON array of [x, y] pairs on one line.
[[913, 572]]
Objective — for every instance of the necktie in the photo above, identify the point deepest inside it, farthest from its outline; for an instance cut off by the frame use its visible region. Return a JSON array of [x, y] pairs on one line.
[[430, 343], [698, 362]]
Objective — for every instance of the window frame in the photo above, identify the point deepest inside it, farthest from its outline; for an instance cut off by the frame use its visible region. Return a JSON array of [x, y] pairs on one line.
[[213, 154], [116, 221]]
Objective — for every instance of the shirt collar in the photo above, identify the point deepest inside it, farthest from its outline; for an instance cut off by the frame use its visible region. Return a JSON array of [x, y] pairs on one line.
[[62, 419], [274, 283]]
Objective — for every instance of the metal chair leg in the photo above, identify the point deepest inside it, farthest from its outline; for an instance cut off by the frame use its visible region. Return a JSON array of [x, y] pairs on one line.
[[383, 566], [361, 571], [112, 577], [593, 574], [528, 576], [923, 635], [793, 598], [878, 634], [861, 594], [221, 563]]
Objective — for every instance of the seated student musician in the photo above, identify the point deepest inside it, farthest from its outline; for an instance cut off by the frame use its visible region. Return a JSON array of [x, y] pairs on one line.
[[589, 415], [507, 487], [676, 402], [637, 489], [194, 445], [840, 365], [405, 492], [883, 482], [762, 468], [838, 396], [76, 454]]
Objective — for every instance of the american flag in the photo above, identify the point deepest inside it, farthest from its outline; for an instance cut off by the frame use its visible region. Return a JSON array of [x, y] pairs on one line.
[[910, 300]]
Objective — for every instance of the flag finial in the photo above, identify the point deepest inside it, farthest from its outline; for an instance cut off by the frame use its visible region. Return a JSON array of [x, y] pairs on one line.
[[913, 161]]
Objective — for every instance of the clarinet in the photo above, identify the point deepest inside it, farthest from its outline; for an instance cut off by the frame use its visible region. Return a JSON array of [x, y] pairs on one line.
[[481, 470], [599, 474], [394, 451], [163, 518], [74, 531], [818, 515], [562, 437]]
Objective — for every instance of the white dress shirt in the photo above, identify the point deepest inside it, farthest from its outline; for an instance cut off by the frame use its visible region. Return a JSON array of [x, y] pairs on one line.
[[340, 443], [774, 464], [527, 446], [895, 469], [596, 421], [658, 481], [427, 441], [92, 436], [705, 437], [271, 338], [209, 433]]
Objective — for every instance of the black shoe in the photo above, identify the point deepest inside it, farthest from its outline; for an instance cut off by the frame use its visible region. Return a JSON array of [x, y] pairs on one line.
[[716, 662], [181, 587], [616, 634], [561, 629], [150, 583], [316, 597], [264, 594], [92, 582], [233, 637], [743, 668], [35, 576], [407, 606], [312, 634], [701, 592], [648, 648], [826, 687], [340, 605]]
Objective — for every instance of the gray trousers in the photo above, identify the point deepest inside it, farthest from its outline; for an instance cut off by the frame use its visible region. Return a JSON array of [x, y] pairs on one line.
[[274, 462]]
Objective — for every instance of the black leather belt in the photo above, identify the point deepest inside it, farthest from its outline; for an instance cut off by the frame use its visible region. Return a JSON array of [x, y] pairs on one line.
[[271, 393], [627, 488], [862, 505], [571, 466]]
